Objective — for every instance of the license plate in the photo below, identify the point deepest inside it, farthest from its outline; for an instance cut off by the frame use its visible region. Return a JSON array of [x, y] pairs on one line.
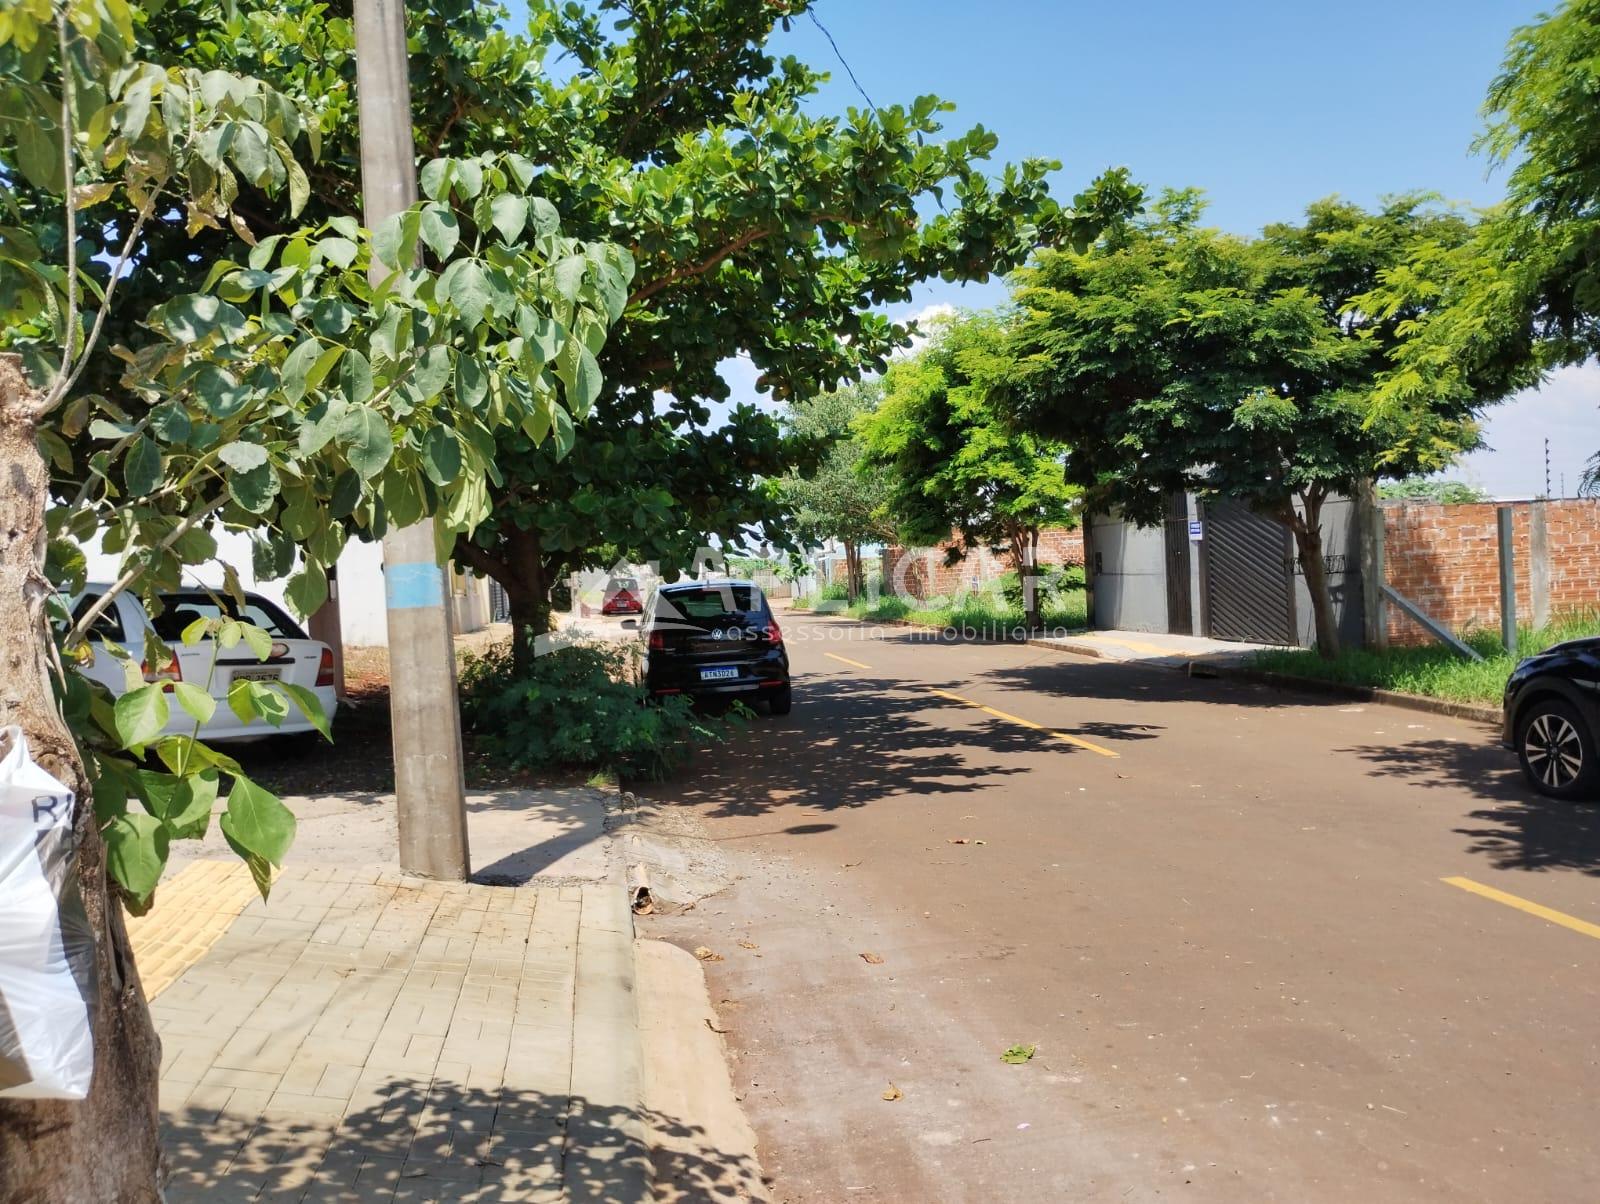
[[721, 673], [257, 674]]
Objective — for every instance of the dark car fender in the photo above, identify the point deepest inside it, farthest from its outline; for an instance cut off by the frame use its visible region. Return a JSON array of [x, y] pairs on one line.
[[1543, 686]]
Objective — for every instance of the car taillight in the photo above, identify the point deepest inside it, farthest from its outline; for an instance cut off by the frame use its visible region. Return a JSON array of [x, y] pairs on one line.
[[774, 635], [658, 642], [325, 668], [171, 673]]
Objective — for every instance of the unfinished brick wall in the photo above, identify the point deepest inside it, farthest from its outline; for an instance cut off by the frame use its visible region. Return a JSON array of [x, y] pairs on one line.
[[1447, 560], [923, 573]]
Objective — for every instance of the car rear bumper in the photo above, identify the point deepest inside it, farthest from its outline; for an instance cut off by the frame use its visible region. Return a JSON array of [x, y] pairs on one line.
[[769, 672]]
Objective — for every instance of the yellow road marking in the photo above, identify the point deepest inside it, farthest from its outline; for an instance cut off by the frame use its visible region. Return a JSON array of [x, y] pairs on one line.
[[1521, 904], [847, 660], [1138, 646], [1039, 727]]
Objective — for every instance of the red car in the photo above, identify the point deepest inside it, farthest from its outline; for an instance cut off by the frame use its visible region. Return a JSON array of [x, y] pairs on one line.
[[622, 597]]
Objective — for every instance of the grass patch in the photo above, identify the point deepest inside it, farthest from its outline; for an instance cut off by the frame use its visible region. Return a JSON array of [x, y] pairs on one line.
[[982, 612], [1433, 670]]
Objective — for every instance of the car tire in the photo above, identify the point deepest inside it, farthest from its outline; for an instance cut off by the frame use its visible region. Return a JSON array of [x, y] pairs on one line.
[[780, 702], [1556, 746]]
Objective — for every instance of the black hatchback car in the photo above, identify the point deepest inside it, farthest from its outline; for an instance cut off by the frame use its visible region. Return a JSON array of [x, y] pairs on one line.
[[715, 639], [1551, 718]]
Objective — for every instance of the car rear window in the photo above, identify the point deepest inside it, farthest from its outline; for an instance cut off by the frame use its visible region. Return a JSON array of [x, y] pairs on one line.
[[183, 609], [712, 602]]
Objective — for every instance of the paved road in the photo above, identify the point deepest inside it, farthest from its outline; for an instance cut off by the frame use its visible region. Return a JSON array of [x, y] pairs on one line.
[[1219, 911]]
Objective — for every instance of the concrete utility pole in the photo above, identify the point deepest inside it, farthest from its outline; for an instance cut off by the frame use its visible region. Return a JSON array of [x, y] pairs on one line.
[[430, 794], [1508, 580]]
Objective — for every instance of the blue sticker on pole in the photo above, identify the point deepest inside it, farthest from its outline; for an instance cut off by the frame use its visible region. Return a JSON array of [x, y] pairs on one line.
[[413, 586], [1196, 529]]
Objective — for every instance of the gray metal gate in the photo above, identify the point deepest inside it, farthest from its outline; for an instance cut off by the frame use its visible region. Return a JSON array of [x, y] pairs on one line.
[[1249, 575]]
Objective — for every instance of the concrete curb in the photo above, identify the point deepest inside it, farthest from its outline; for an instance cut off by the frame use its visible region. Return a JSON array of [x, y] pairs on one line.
[[607, 1139], [700, 1140]]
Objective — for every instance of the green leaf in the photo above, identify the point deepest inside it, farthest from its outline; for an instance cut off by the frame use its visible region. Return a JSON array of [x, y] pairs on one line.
[[195, 632], [440, 230], [436, 176], [192, 804], [306, 591], [366, 437], [221, 394], [136, 852], [254, 490], [509, 213], [141, 471], [310, 706], [340, 252], [441, 455], [546, 218], [469, 290], [257, 822], [39, 156], [140, 715], [257, 639], [355, 378], [296, 367], [472, 383], [569, 276], [346, 495], [196, 701], [170, 422], [191, 318], [431, 374], [241, 456], [1018, 1054]]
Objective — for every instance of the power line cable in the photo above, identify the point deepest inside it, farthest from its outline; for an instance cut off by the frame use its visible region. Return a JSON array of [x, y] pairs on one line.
[[812, 13]]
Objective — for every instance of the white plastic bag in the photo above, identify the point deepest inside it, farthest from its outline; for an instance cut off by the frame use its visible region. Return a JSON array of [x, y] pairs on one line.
[[46, 946]]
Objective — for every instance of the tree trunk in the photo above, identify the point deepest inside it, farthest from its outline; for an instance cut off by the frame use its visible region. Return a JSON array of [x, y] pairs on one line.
[[852, 571], [1025, 555], [106, 1147], [1308, 542], [523, 574]]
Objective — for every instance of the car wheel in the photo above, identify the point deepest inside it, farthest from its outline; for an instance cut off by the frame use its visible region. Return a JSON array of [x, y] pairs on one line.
[[1557, 750], [780, 702]]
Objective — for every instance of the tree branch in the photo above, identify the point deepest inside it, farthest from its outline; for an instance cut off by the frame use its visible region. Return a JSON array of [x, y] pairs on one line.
[[59, 389], [103, 602], [705, 265]]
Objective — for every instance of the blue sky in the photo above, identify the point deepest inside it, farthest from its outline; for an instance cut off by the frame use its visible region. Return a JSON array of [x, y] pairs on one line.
[[1265, 104]]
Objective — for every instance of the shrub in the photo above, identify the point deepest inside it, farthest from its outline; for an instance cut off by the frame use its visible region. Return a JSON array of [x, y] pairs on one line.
[[834, 591], [579, 706], [1052, 584]]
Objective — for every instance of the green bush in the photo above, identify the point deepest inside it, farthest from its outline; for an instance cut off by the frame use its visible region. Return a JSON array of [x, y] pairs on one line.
[[1052, 585], [579, 706], [834, 591]]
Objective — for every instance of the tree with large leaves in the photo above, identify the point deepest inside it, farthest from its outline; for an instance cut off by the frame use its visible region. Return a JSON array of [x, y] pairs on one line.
[[282, 394], [758, 227], [951, 461], [1171, 356]]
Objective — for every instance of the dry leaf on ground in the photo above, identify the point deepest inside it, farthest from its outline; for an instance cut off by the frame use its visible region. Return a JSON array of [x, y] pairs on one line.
[[872, 959], [893, 1093], [748, 945], [965, 840], [707, 955]]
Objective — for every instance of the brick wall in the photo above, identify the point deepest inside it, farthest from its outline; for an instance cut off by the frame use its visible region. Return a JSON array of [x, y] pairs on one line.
[[922, 572], [1447, 560]]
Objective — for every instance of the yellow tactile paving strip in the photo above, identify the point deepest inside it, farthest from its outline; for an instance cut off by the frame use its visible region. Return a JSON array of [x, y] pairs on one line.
[[193, 908]]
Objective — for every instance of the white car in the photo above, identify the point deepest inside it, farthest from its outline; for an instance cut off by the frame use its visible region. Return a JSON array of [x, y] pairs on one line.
[[294, 660]]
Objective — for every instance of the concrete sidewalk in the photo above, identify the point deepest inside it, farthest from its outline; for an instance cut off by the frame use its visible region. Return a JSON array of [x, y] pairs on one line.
[[1158, 648], [363, 1036]]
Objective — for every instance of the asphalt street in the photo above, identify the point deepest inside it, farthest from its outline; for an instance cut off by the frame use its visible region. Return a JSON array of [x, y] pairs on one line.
[[1266, 946]]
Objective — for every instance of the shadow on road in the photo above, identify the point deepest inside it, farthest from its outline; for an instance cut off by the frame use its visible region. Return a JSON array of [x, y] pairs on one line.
[[1519, 829], [421, 1141], [1065, 677], [851, 741]]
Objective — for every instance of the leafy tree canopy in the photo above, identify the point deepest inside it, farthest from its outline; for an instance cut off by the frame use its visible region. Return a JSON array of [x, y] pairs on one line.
[[1171, 356], [666, 126], [1425, 489], [948, 457]]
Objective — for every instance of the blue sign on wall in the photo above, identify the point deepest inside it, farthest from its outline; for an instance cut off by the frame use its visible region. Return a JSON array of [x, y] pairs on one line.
[[1196, 529]]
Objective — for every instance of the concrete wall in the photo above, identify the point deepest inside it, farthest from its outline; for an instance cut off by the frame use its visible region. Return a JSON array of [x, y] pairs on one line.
[[1129, 574], [1341, 554], [1446, 559]]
